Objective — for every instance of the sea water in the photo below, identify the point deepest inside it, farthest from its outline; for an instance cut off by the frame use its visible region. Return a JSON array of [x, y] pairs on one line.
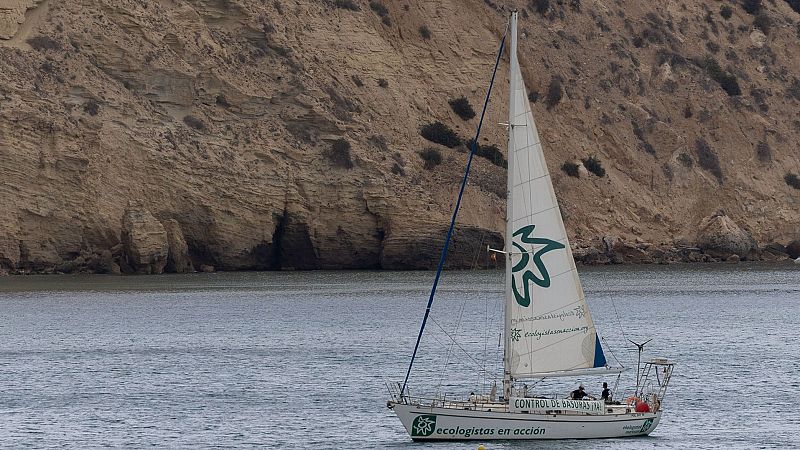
[[299, 359]]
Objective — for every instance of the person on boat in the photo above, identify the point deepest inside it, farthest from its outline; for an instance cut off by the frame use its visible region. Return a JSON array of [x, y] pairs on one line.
[[606, 395], [579, 393]]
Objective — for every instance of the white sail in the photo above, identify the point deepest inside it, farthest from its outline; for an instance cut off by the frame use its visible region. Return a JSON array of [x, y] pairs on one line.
[[548, 326]]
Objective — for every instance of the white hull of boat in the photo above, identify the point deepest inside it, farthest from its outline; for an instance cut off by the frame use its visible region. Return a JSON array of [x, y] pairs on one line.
[[436, 423]]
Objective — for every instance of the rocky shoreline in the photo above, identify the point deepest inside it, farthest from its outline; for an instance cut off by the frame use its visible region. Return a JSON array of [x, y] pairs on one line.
[[151, 246]]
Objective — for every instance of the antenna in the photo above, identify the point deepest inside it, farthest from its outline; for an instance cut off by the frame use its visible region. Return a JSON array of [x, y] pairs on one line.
[[639, 362]]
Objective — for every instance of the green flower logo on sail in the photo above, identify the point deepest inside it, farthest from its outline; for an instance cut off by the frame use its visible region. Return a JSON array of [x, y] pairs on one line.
[[525, 233], [423, 425]]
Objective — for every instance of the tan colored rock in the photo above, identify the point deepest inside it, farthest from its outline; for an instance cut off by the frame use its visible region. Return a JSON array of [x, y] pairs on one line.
[[758, 38], [178, 252], [720, 237], [144, 242], [205, 268], [12, 14], [221, 116]]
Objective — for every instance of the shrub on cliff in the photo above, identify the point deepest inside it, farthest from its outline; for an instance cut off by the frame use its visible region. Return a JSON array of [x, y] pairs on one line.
[[593, 164], [554, 93], [91, 107], [379, 8], [43, 43], [194, 122], [540, 6], [462, 107], [762, 22], [751, 6], [490, 152], [440, 133], [792, 180], [346, 4], [431, 156], [339, 153], [424, 32], [725, 11], [726, 80], [571, 169], [763, 152], [707, 158]]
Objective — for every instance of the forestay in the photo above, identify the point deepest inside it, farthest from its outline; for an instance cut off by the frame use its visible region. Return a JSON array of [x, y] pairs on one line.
[[548, 325]]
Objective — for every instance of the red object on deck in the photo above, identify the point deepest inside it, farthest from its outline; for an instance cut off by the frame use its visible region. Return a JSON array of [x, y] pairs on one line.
[[642, 407]]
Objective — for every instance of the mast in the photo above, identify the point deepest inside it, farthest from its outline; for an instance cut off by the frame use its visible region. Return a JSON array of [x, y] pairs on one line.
[[512, 52]]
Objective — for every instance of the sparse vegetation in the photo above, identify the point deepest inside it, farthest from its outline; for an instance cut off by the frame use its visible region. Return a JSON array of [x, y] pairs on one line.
[[222, 101], [707, 159], [570, 168], [424, 32], [751, 7], [554, 93], [593, 165], [379, 142], [533, 96], [762, 22], [91, 108], [462, 108], [432, 157], [726, 80], [440, 133], [686, 160], [540, 6], [379, 8], [725, 11], [792, 180], [357, 81], [43, 43], [386, 20], [346, 4], [339, 153], [397, 169], [794, 89], [490, 152], [382, 82], [763, 152], [687, 112], [194, 122]]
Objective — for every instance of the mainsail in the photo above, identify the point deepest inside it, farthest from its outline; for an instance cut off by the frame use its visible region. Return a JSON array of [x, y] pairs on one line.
[[548, 328]]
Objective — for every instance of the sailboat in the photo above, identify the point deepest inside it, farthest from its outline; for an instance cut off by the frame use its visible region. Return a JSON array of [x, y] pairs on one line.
[[547, 329]]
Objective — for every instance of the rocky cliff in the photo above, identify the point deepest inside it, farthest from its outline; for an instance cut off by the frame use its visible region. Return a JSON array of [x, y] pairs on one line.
[[244, 134]]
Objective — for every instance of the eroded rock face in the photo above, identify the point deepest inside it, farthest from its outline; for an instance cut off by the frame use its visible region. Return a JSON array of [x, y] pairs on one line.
[[103, 98], [144, 242], [405, 249], [720, 237], [178, 252]]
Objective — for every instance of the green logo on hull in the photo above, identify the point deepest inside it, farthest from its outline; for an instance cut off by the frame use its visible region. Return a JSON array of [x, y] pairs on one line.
[[423, 425], [524, 298], [646, 425]]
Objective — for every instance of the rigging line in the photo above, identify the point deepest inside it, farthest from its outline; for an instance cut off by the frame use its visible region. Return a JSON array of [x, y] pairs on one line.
[[450, 347], [455, 214], [619, 323], [480, 369]]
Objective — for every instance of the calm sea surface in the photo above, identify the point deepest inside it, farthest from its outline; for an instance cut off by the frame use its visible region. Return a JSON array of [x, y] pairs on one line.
[[298, 360]]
